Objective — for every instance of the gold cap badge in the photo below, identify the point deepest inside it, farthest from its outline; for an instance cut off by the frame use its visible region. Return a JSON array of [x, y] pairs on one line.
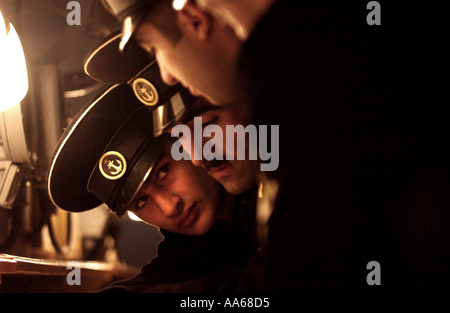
[[145, 92], [113, 165]]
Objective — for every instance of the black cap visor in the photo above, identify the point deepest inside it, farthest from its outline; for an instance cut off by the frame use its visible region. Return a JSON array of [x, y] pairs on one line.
[[83, 143], [106, 154], [130, 14], [135, 67]]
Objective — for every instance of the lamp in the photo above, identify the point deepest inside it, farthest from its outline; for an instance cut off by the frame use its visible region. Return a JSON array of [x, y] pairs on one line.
[[13, 69]]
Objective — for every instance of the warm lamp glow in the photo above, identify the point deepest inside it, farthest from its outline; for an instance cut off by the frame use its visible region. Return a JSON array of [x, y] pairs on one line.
[[134, 217], [13, 68], [179, 4]]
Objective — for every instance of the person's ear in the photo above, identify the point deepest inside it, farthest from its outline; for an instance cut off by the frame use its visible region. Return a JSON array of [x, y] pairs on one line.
[[195, 22]]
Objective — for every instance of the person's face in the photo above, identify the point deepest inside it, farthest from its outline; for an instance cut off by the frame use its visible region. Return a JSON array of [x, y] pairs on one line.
[[180, 198], [203, 60], [236, 176]]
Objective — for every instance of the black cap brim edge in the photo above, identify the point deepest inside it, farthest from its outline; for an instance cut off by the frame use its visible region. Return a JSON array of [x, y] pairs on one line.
[[106, 63], [62, 144]]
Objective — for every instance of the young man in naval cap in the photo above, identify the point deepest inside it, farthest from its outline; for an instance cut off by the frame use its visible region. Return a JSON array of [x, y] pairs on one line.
[[351, 145], [106, 63], [191, 48], [109, 154]]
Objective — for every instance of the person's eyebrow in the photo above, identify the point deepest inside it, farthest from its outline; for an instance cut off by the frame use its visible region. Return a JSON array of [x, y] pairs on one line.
[[196, 111], [160, 160]]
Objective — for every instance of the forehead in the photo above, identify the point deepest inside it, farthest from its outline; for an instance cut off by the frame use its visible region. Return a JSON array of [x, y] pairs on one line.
[[163, 157], [207, 3], [146, 33], [166, 153]]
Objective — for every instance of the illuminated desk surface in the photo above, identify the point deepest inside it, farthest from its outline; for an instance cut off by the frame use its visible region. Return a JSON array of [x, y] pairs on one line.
[[19, 274]]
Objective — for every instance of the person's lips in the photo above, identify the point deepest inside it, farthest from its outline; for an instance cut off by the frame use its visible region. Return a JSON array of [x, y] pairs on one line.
[[215, 165], [219, 169], [187, 217]]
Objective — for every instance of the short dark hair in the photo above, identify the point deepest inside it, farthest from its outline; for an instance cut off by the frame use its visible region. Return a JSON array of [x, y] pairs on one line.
[[164, 18]]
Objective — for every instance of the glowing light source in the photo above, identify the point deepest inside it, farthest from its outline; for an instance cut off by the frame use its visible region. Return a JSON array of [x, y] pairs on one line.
[[133, 217], [13, 68], [179, 4]]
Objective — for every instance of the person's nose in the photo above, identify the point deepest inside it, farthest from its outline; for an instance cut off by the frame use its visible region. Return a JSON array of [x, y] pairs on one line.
[[198, 162], [196, 154], [166, 76], [168, 204]]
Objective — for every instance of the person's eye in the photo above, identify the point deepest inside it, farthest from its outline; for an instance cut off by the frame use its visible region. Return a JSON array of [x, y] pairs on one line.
[[140, 203], [163, 172]]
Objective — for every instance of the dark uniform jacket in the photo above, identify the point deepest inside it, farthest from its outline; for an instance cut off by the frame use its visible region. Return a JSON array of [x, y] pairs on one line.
[[183, 259], [364, 171]]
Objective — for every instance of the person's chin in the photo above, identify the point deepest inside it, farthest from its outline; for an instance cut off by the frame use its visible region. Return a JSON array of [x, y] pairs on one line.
[[236, 185], [198, 231], [194, 92], [202, 226], [211, 100], [233, 189]]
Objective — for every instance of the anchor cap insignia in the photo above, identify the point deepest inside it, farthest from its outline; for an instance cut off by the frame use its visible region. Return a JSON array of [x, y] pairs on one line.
[[113, 165], [145, 92]]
